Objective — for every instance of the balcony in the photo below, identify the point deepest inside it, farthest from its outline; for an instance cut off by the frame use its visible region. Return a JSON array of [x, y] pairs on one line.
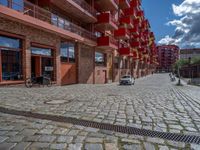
[[135, 44], [123, 4], [135, 55], [106, 22], [107, 42], [134, 31], [130, 12], [122, 33], [33, 15], [125, 51], [106, 5], [140, 13], [127, 21], [79, 9], [135, 3], [145, 24]]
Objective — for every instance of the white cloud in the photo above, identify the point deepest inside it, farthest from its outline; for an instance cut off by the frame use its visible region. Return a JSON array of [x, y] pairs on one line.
[[187, 7], [187, 27]]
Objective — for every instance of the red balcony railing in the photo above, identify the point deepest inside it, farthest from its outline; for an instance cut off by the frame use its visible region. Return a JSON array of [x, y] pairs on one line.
[[106, 18], [106, 41], [122, 33], [124, 4], [125, 51], [35, 11], [130, 12], [135, 3], [140, 13], [135, 44], [126, 21]]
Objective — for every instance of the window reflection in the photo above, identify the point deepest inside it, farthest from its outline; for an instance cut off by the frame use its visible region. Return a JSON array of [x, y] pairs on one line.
[[10, 42], [11, 58], [4, 2], [67, 51], [41, 51], [18, 5], [100, 59]]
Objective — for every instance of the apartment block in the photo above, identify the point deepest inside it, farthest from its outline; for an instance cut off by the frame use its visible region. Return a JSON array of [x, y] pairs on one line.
[[74, 41], [167, 56]]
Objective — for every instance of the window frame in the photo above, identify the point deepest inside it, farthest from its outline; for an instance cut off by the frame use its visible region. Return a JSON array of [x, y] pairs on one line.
[[103, 64], [68, 59]]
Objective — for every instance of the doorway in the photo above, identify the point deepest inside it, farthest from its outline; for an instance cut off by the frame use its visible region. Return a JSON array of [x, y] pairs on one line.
[[42, 62]]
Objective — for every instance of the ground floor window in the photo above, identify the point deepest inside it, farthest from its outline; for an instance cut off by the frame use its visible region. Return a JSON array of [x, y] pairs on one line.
[[67, 52], [100, 59], [11, 58]]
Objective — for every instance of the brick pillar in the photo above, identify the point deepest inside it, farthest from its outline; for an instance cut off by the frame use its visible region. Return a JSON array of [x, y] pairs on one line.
[[27, 59], [0, 68], [57, 65]]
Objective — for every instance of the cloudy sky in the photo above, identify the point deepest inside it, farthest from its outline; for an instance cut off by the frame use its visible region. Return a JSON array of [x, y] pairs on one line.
[[174, 21]]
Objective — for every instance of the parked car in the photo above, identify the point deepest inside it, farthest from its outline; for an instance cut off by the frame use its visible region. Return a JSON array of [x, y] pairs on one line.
[[127, 80]]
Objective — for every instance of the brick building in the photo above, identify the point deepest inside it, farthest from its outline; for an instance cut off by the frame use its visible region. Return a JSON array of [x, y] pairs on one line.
[[167, 56], [189, 53], [74, 41]]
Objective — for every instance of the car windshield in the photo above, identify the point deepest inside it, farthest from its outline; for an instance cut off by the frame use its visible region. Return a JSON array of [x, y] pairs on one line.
[[124, 77]]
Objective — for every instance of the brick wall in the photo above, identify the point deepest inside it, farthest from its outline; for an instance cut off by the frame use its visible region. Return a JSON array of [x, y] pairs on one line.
[[85, 64], [33, 35], [100, 75]]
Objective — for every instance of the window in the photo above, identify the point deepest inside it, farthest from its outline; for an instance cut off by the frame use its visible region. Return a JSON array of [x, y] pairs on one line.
[[100, 59], [4, 2], [41, 51], [11, 56], [8, 42], [18, 5], [67, 52]]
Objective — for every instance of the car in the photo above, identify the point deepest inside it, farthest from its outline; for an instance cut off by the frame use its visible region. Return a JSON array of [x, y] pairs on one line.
[[127, 80]]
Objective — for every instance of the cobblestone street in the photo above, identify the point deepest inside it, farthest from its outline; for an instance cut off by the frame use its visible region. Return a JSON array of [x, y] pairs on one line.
[[153, 103]]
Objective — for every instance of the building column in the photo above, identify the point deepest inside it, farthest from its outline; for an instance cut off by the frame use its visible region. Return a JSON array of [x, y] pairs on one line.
[[27, 59], [58, 64]]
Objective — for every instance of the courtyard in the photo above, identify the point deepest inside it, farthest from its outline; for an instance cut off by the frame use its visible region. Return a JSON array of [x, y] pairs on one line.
[[153, 103]]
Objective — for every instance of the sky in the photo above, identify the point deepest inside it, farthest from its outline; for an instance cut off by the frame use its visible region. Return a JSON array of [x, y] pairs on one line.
[[174, 21]]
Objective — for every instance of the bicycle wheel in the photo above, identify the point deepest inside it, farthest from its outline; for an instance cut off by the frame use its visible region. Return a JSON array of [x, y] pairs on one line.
[[28, 83], [47, 82]]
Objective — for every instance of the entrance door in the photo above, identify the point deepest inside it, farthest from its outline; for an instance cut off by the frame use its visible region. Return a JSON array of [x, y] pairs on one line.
[[42, 62], [35, 66], [46, 66]]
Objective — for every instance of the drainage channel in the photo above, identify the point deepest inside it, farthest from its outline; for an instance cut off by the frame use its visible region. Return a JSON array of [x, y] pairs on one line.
[[117, 128]]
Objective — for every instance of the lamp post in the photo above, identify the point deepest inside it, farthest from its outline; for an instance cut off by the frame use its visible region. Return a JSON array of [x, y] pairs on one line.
[[189, 61]]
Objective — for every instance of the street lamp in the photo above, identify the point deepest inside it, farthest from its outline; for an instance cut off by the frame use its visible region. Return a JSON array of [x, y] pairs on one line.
[[189, 61]]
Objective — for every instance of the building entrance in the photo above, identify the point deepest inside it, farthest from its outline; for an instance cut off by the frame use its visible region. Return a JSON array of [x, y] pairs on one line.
[[42, 62]]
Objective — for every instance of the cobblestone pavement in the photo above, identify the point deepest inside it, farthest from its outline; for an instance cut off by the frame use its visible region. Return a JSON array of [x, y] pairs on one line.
[[18, 133], [152, 103]]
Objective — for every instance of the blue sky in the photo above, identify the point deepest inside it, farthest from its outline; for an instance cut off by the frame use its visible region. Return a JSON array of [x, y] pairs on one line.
[[159, 12]]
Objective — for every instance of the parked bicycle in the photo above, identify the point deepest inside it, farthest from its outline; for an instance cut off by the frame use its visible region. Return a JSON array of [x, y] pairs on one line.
[[42, 80]]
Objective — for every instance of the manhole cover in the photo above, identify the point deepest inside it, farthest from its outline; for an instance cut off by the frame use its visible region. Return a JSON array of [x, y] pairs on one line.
[[55, 102]]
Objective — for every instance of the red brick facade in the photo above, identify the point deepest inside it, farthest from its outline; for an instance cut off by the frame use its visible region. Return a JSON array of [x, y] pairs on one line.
[[38, 26]]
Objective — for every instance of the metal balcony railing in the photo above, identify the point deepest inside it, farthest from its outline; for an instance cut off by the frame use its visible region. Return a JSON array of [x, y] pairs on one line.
[[86, 6], [113, 41], [37, 12]]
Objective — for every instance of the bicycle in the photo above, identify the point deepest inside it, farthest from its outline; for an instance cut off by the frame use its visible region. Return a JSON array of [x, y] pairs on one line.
[[42, 80]]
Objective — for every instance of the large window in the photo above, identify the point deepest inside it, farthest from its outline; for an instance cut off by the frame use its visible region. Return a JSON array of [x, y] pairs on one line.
[[100, 59], [67, 52], [11, 58]]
